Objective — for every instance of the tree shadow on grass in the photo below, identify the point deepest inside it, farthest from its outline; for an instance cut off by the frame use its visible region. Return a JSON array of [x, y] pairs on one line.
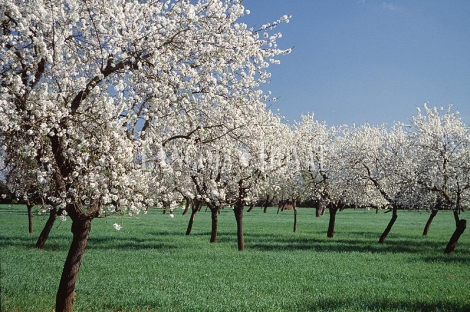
[[365, 242], [334, 304], [324, 304], [399, 244]]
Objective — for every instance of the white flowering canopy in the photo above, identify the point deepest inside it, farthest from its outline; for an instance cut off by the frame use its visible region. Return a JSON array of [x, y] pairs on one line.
[[87, 87], [442, 144]]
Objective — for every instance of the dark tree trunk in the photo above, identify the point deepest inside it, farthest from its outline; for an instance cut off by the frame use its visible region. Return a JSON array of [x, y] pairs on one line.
[[47, 229], [186, 206], [251, 208], [456, 217], [191, 221], [295, 219], [238, 211], [65, 295], [29, 206], [320, 209], [214, 213], [266, 203], [265, 207], [331, 224], [195, 207], [461, 226], [428, 224], [389, 226]]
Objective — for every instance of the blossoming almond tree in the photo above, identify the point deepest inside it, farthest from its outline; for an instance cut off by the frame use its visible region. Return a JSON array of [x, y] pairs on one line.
[[84, 82], [384, 160], [442, 141]]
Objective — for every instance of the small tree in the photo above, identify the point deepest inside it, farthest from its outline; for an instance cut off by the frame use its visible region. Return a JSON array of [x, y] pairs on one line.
[[442, 142]]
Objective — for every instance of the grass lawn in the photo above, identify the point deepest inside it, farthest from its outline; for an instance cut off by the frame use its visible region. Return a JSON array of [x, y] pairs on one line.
[[150, 265]]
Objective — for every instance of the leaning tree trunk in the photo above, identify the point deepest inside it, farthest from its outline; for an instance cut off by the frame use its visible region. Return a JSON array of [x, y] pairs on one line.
[[191, 221], [214, 213], [461, 226], [238, 211], [29, 206], [250, 208], [331, 223], [428, 224], [196, 206], [456, 217], [389, 226], [47, 229], [66, 293]]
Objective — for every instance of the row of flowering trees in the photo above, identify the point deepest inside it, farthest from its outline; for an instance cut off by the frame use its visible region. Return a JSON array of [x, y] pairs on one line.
[[420, 165]]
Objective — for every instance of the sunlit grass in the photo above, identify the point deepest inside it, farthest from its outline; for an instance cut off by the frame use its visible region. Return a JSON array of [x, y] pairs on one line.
[[150, 265]]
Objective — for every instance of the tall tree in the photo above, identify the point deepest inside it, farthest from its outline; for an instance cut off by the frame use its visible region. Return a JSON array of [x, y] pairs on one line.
[[87, 85]]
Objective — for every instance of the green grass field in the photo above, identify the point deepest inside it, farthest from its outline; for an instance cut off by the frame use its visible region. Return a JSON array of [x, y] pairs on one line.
[[150, 265]]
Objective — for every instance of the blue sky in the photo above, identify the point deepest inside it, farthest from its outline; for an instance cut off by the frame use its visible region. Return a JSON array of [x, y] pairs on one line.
[[364, 61]]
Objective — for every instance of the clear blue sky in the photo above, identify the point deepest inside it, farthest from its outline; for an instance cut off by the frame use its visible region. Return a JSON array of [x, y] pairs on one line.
[[365, 61]]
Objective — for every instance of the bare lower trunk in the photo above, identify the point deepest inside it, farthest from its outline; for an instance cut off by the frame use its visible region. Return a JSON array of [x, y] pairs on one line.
[[428, 223], [461, 226], [331, 224], [47, 229], [265, 207], [238, 211], [320, 209], [267, 202], [295, 219], [29, 206], [194, 209], [389, 226], [66, 293], [191, 221], [251, 208], [456, 217], [186, 206], [214, 213]]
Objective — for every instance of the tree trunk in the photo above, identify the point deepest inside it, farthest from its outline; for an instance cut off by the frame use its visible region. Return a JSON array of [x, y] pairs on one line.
[[195, 207], [267, 203], [238, 211], [389, 226], [191, 221], [428, 224], [320, 209], [331, 224], [214, 213], [186, 206], [251, 208], [66, 293], [47, 229], [29, 206], [295, 219], [265, 207], [461, 226], [456, 217]]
